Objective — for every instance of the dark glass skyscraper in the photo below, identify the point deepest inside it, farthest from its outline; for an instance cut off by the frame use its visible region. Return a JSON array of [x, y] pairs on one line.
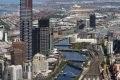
[[26, 25], [41, 37], [44, 36], [92, 20], [36, 41]]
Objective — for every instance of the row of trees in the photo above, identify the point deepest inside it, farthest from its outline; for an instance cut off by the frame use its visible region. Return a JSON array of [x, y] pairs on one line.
[[82, 45]]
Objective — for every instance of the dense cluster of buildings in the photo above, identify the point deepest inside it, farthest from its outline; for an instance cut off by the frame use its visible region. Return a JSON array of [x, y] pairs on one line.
[[31, 54], [26, 57]]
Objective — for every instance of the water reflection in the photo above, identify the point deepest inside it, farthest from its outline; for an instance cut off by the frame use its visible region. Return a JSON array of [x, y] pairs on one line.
[[74, 55], [72, 72], [68, 70]]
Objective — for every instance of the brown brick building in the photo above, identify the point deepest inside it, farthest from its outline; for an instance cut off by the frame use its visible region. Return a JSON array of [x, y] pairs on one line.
[[18, 52]]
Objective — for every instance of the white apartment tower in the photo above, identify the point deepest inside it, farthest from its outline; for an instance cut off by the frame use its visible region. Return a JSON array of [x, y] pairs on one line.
[[15, 72]]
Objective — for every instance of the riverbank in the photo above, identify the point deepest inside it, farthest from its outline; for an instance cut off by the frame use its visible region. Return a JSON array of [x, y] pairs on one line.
[[70, 54], [58, 69], [84, 70]]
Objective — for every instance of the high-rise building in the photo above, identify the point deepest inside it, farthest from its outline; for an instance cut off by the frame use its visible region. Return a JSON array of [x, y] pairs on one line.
[[18, 53], [26, 25], [1, 69], [35, 38], [110, 35], [27, 70], [44, 33], [36, 41], [15, 72], [92, 20], [116, 45], [41, 37], [110, 47]]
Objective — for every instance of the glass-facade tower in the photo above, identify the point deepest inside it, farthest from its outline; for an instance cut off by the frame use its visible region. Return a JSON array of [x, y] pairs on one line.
[[26, 25]]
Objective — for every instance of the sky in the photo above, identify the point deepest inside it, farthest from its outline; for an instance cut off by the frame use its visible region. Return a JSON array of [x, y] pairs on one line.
[[8, 1]]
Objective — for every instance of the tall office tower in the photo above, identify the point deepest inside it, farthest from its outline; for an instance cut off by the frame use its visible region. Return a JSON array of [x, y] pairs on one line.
[[36, 41], [44, 32], [110, 47], [1, 69], [110, 35], [26, 25], [92, 20], [35, 38], [116, 45]]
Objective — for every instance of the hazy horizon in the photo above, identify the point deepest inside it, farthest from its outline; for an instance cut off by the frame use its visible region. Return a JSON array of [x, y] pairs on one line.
[[16, 1], [37, 1]]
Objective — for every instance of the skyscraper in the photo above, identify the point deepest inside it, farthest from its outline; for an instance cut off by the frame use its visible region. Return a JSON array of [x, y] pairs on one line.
[[1, 69], [36, 40], [15, 72], [26, 25], [44, 36], [92, 20]]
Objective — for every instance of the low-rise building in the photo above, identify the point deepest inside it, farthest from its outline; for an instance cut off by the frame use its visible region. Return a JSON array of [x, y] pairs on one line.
[[39, 64], [116, 69], [93, 41]]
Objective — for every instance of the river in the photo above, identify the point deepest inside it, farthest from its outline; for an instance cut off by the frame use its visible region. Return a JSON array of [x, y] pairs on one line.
[[70, 55]]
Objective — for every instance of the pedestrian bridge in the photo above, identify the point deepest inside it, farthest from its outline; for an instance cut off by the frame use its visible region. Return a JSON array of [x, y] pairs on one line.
[[69, 74], [75, 60], [76, 64]]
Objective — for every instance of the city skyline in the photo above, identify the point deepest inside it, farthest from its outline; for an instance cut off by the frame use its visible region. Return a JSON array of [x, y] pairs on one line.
[[60, 40]]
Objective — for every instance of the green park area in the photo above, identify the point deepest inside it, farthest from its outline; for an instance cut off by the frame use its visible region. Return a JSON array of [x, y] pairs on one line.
[[58, 69]]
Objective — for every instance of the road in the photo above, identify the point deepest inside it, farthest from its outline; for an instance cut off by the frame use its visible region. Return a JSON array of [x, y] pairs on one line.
[[96, 60]]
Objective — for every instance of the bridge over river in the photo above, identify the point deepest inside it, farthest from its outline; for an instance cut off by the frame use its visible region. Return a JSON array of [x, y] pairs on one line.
[[75, 60]]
